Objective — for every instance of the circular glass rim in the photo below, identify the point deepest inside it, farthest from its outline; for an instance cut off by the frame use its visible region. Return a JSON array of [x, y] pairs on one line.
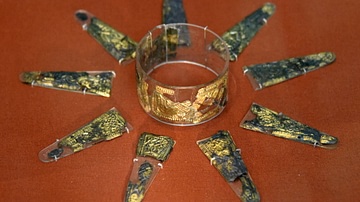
[[218, 76]]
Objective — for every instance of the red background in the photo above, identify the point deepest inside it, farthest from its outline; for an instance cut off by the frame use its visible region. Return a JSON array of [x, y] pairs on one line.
[[43, 35]]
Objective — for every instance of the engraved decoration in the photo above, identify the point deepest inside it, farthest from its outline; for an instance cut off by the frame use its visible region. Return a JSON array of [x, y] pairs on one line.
[[155, 146], [119, 45], [151, 151], [108, 126], [269, 122], [239, 36], [225, 157], [268, 74], [95, 83], [135, 191], [208, 101]]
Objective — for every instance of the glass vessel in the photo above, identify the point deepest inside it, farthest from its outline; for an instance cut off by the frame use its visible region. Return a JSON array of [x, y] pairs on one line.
[[182, 73]]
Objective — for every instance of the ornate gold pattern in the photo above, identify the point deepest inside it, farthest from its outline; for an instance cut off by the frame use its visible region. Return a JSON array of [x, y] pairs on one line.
[[279, 125], [151, 150], [271, 73], [163, 90], [142, 91], [95, 83], [135, 191], [106, 127], [239, 36], [120, 46], [209, 101], [155, 146], [225, 157]]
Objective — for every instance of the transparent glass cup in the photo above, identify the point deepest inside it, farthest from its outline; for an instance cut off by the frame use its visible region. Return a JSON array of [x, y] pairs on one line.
[[182, 74]]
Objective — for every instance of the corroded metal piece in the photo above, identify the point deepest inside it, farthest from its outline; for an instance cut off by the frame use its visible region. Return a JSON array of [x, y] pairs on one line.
[[55, 153], [95, 83], [249, 193], [135, 191], [209, 101], [239, 36], [151, 151], [173, 12], [155, 146], [270, 122], [119, 45], [268, 74], [108, 126], [222, 152], [225, 157]]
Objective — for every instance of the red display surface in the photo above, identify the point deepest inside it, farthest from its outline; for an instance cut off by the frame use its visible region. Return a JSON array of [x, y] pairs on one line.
[[43, 35]]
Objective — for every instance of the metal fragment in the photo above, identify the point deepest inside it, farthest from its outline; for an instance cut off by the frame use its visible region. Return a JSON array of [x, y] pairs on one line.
[[239, 36], [135, 191], [271, 73], [151, 151], [270, 122], [108, 126], [249, 193], [155, 146], [91, 82], [173, 12], [119, 45], [225, 157]]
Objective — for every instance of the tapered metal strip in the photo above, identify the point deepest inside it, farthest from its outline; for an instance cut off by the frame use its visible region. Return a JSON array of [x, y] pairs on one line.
[[271, 73], [239, 36], [119, 45], [174, 12], [151, 151], [266, 121], [90, 82], [225, 157], [108, 126]]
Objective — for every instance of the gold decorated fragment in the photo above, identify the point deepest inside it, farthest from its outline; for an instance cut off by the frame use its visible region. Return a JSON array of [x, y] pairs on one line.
[[106, 127], [95, 83], [155, 146], [270, 122]]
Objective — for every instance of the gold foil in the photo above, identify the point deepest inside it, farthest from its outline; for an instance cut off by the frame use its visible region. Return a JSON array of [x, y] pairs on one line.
[[155, 146], [95, 83], [271, 73], [239, 36], [209, 100], [151, 151], [135, 192], [106, 127], [119, 45], [270, 122], [221, 150]]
